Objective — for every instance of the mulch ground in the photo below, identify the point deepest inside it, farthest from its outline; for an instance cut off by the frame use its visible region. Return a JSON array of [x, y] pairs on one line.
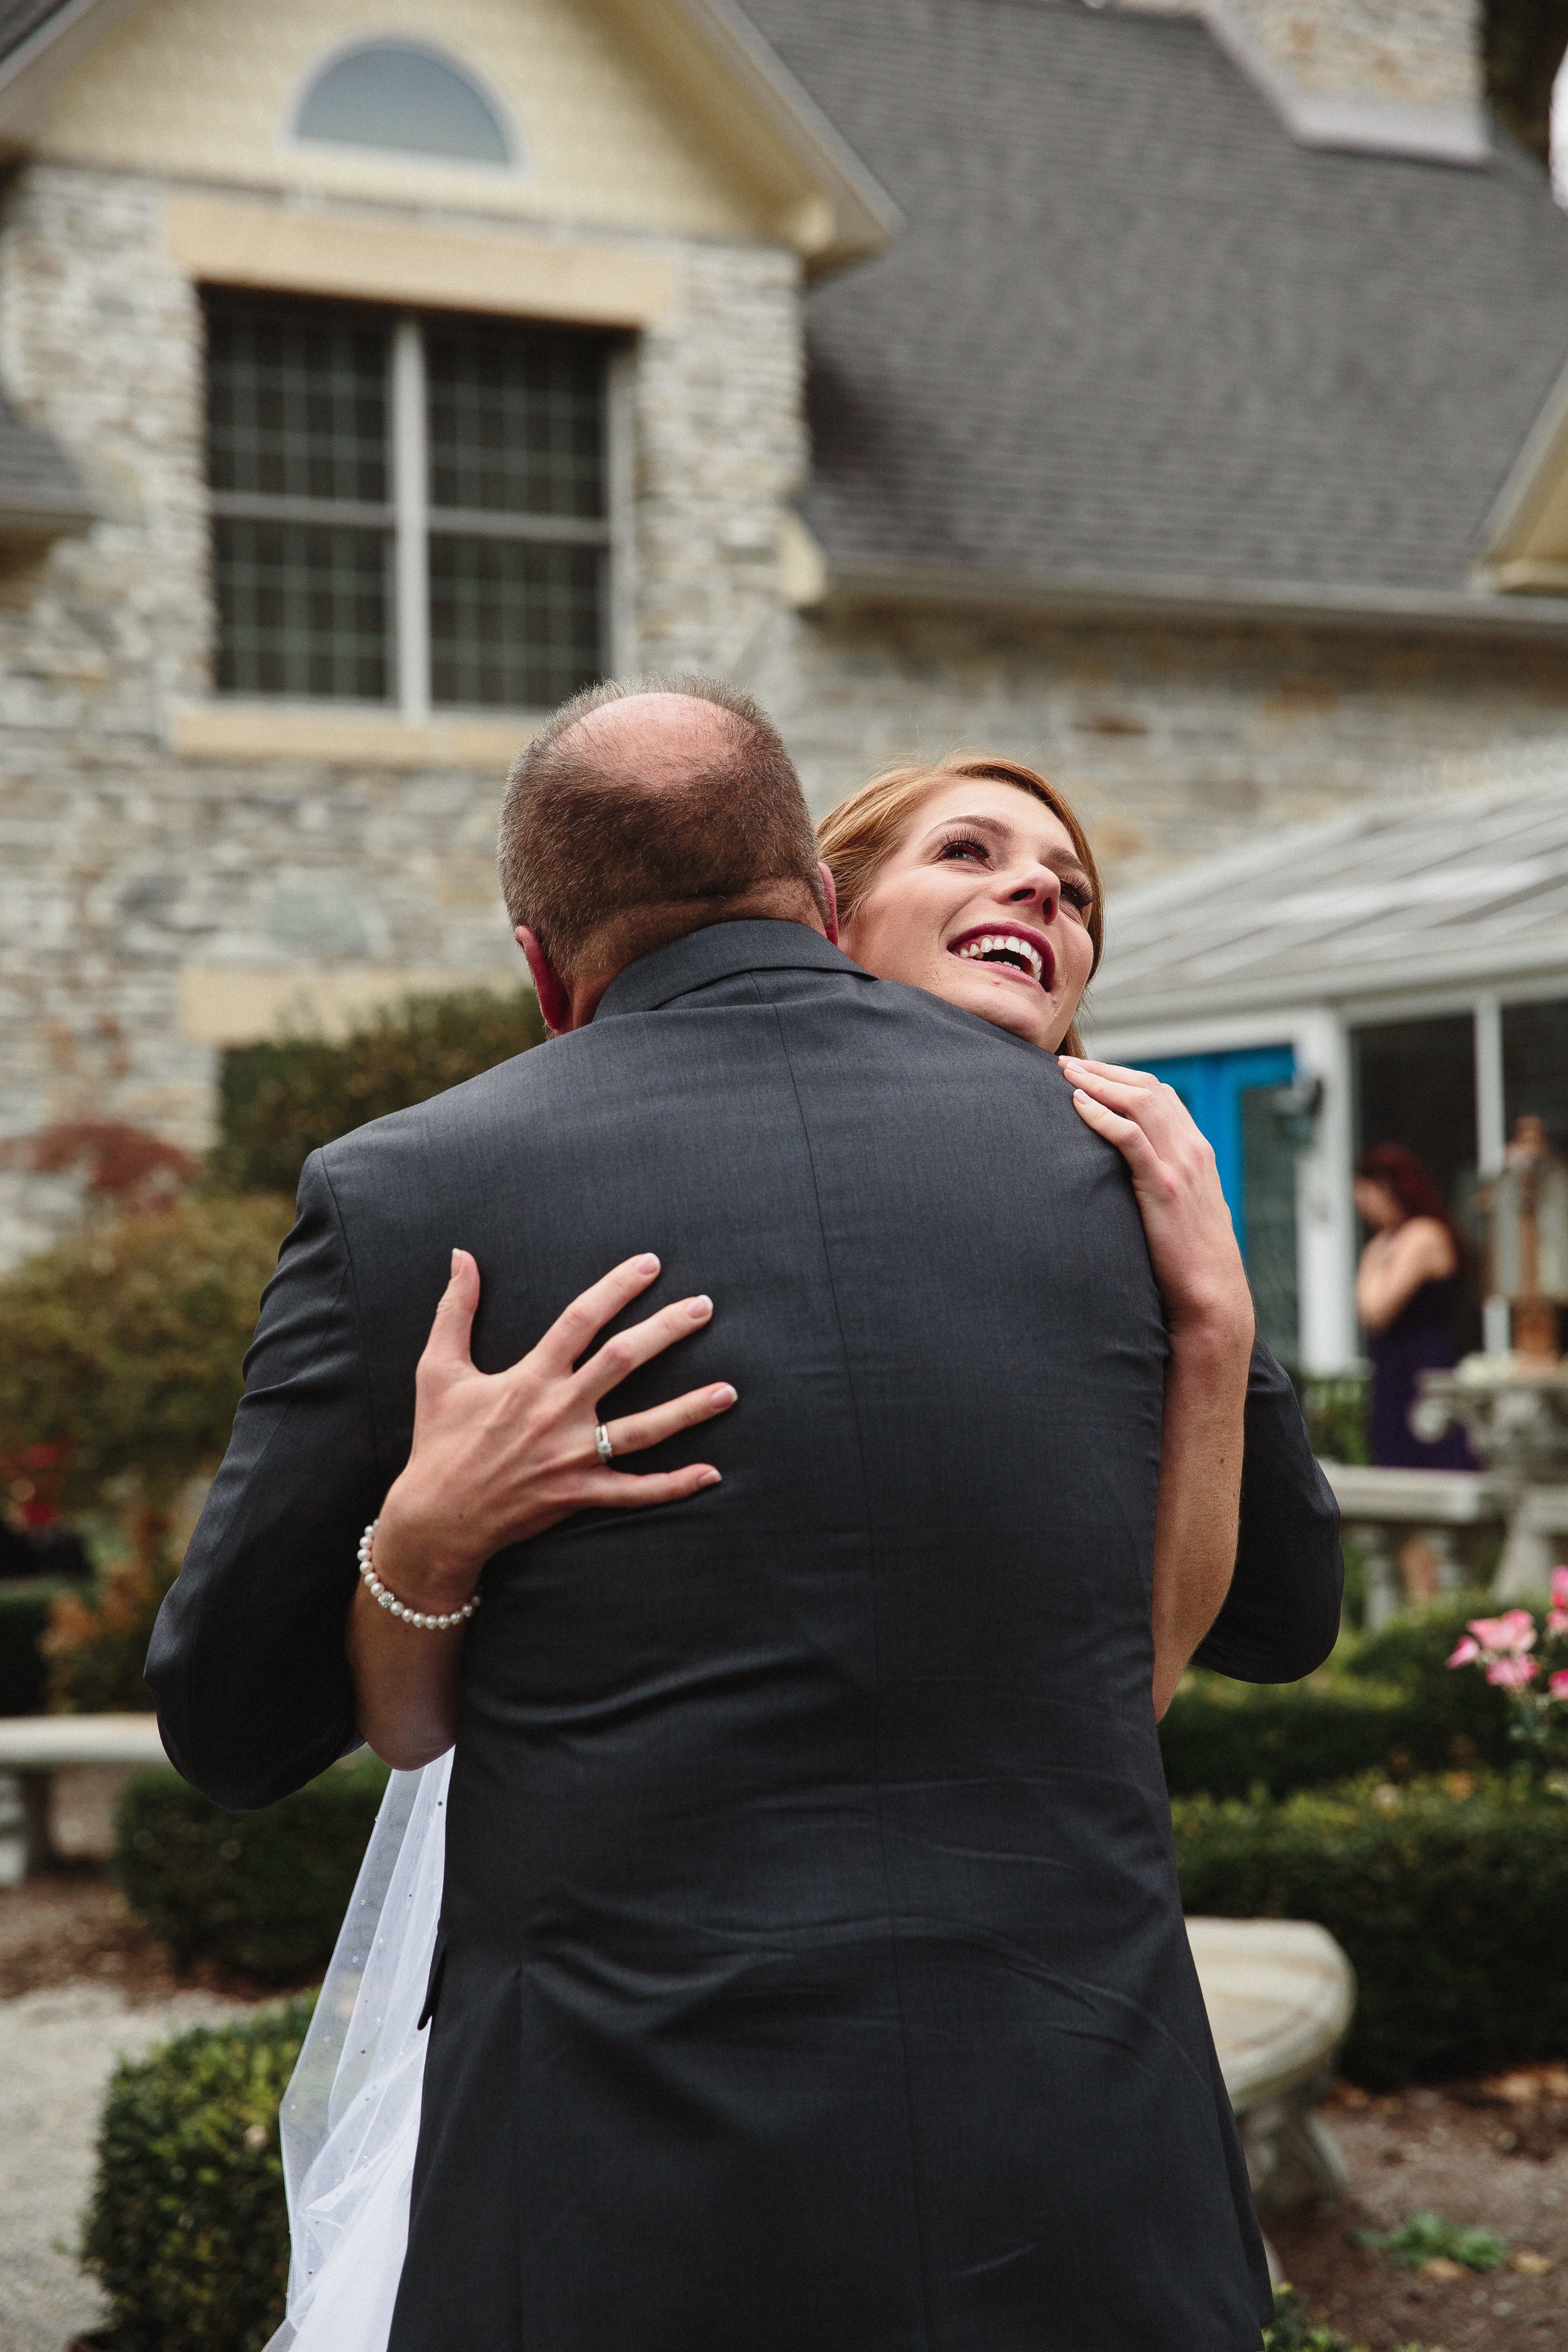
[[70, 1925], [1493, 2155]]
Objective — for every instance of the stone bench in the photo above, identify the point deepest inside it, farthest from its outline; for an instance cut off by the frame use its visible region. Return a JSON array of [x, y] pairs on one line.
[[33, 1748], [1280, 1995]]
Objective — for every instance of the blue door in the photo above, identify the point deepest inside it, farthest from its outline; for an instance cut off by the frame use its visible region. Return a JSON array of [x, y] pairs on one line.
[[1231, 1096]]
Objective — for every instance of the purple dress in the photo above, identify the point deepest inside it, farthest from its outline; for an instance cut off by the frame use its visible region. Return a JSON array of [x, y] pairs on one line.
[[1419, 1339]]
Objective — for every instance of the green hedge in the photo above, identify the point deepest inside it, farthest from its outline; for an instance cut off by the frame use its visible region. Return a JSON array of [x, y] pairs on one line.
[[1412, 1654], [1453, 1909], [263, 1892], [24, 1620], [1390, 1703], [277, 1102], [187, 2230]]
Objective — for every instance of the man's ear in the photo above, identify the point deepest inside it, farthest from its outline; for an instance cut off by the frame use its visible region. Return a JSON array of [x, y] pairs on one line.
[[830, 891], [553, 1001]]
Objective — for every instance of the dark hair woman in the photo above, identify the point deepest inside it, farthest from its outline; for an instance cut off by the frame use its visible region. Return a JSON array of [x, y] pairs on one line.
[[1407, 1296]]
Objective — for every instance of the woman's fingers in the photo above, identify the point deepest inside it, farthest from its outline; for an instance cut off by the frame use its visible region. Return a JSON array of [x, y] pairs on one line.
[[1077, 1064], [618, 1491], [452, 1330], [640, 1344], [1158, 1109], [578, 1325], [637, 1431], [1125, 1133]]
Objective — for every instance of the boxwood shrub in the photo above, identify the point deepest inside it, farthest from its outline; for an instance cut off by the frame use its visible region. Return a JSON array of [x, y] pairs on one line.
[[280, 1100], [24, 1620], [1388, 1703], [187, 2230], [1449, 1897], [264, 1893]]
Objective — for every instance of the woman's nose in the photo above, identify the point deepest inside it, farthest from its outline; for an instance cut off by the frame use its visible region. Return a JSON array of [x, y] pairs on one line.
[[1040, 888]]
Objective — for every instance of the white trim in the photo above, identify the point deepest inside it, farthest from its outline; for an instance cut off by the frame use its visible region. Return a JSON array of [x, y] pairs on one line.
[[1491, 1120], [1325, 1210], [1377, 126], [1201, 600], [411, 513], [865, 218]]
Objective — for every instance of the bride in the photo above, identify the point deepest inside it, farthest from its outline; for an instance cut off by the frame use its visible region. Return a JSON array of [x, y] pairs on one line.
[[972, 878]]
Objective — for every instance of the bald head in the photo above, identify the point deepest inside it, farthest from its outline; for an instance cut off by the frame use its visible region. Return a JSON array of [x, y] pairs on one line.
[[656, 737], [638, 813]]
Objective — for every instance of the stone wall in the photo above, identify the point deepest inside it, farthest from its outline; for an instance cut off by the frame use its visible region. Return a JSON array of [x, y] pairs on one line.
[[1173, 741], [121, 863]]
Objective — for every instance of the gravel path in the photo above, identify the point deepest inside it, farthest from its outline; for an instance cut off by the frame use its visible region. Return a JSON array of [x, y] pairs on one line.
[[58, 2049]]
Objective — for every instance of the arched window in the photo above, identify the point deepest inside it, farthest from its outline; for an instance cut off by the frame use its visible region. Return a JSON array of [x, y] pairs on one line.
[[396, 95]]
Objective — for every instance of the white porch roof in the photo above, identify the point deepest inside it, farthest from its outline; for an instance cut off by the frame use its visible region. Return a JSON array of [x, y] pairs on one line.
[[1452, 891]]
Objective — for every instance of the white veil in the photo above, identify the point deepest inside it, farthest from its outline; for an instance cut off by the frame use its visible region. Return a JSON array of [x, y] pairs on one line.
[[350, 2117]]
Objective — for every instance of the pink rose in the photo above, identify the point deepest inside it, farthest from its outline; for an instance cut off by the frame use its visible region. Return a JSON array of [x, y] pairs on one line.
[[1513, 1631], [1466, 1653], [1512, 1672], [1557, 1621], [1560, 1588], [1558, 1686]]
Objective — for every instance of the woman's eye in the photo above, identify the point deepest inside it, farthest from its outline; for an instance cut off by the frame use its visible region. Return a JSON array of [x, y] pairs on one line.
[[962, 847]]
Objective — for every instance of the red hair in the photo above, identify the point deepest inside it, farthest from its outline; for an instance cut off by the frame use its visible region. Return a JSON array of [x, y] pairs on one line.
[[1401, 1174]]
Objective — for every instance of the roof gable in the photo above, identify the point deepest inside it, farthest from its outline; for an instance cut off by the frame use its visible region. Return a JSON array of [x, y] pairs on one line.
[[641, 114]]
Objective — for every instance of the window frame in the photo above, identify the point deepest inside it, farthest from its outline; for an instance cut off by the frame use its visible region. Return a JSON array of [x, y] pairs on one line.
[[409, 519]]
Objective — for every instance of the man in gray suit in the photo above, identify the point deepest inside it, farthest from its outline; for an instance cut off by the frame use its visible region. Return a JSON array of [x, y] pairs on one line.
[[812, 1975]]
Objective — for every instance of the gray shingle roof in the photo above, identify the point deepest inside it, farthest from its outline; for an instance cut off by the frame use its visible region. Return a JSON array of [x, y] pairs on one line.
[[1448, 892], [41, 493], [1132, 329]]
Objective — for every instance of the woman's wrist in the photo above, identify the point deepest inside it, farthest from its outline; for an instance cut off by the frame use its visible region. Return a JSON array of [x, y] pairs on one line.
[[426, 1560]]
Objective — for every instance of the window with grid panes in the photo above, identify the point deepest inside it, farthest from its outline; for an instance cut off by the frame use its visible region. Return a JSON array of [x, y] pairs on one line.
[[408, 511]]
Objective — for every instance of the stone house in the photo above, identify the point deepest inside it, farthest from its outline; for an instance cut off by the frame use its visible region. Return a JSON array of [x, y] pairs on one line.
[[1172, 395]]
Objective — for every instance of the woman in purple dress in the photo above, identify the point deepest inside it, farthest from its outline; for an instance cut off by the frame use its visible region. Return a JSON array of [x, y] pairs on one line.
[[1407, 1293]]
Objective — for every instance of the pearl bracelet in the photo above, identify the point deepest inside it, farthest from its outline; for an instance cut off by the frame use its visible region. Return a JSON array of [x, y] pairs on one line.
[[389, 1600]]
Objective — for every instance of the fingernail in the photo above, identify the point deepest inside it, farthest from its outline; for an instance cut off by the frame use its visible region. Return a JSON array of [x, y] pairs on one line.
[[455, 1254], [709, 1478], [719, 1398], [648, 1263], [700, 1309]]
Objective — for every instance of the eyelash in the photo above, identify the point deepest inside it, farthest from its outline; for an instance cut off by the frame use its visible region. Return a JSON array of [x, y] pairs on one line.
[[1077, 894]]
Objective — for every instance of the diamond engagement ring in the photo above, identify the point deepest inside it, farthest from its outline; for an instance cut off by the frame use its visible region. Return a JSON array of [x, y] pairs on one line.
[[601, 1446]]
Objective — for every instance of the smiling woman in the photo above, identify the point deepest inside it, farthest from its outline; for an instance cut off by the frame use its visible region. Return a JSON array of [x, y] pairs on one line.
[[951, 864]]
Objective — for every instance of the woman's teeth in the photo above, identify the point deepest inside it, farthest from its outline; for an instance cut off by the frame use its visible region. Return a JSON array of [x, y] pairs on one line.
[[998, 944]]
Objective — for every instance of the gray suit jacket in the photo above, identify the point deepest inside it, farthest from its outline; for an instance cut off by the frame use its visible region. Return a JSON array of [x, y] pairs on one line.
[[813, 1968]]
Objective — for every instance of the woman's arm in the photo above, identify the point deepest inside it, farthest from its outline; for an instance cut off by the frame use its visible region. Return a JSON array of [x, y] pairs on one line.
[[1209, 1317], [1395, 1265], [496, 1459]]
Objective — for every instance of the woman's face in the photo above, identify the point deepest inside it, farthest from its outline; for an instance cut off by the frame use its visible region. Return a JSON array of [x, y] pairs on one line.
[[984, 902], [1375, 1204]]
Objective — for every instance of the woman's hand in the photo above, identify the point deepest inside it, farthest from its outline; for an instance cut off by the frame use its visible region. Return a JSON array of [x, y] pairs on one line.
[[1208, 1312], [497, 1457], [1191, 1242]]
